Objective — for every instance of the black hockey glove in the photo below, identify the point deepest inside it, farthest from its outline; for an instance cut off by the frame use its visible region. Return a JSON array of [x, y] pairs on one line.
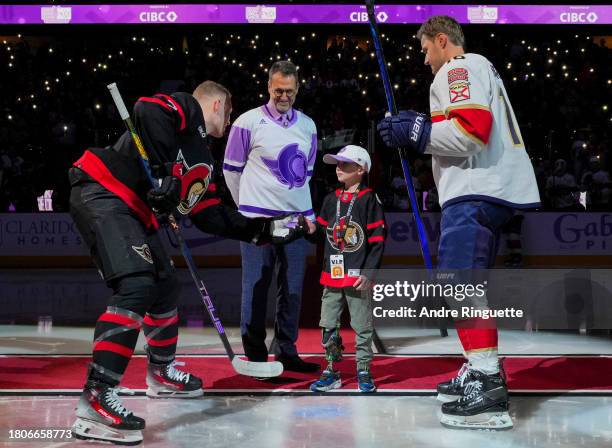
[[167, 196], [283, 229]]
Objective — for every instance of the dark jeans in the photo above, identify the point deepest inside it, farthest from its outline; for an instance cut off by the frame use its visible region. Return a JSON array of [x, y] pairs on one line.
[[258, 270]]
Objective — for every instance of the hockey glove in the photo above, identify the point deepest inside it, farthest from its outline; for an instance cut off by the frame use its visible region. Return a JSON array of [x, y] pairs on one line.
[[408, 128], [167, 196], [283, 229]]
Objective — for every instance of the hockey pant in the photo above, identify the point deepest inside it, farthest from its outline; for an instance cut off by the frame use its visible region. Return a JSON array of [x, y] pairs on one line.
[[469, 241], [135, 265]]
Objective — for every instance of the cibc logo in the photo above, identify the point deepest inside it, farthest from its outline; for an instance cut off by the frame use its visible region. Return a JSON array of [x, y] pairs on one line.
[[579, 17], [362, 16], [157, 17]]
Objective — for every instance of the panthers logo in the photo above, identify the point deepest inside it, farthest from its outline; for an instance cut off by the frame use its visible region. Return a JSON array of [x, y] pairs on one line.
[[194, 182]]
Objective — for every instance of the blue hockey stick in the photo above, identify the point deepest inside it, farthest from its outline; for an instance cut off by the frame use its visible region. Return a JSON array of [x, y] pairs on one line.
[[392, 108]]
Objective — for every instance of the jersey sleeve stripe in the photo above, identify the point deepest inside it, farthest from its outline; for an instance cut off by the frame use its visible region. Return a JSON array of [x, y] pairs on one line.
[[147, 99], [437, 115], [476, 122], [205, 204], [322, 221], [228, 167], [177, 107], [376, 224]]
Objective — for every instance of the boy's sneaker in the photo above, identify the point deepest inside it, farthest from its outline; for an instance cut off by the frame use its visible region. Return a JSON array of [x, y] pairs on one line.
[[166, 381], [329, 380], [365, 381]]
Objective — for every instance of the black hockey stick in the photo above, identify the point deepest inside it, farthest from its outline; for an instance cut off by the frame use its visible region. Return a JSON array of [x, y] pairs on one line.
[[392, 108], [248, 368]]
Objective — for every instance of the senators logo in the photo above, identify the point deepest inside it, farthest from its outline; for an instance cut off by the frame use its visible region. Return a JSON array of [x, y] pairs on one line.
[[347, 240], [194, 182]]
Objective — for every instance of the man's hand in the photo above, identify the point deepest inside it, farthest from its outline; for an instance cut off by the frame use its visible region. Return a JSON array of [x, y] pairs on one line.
[[312, 228], [167, 196], [284, 229], [407, 128], [362, 283]]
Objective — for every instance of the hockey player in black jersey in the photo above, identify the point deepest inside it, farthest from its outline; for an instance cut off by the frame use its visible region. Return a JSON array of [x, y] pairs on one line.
[[113, 205]]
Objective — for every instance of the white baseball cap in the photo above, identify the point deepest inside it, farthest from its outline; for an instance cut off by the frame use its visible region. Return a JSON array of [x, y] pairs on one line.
[[350, 153]]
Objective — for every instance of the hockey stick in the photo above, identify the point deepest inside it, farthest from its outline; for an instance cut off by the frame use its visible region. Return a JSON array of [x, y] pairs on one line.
[[248, 368], [392, 108]]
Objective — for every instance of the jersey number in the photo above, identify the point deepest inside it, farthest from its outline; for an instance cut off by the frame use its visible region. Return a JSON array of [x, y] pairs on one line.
[[512, 127]]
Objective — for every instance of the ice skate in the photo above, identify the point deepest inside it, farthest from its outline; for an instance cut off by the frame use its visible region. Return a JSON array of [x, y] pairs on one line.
[[101, 416], [453, 389], [166, 381], [483, 406]]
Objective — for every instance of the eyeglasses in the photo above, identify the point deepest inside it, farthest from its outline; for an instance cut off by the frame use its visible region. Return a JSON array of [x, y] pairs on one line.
[[279, 93]]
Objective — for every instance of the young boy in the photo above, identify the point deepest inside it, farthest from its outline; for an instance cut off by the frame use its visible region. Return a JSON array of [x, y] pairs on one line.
[[352, 222]]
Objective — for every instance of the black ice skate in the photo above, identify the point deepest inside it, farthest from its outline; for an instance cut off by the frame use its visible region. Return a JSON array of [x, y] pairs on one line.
[[483, 406], [102, 416], [453, 389], [166, 381]]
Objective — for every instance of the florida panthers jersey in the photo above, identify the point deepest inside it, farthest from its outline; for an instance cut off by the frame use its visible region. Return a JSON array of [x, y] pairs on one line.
[[269, 160], [477, 148]]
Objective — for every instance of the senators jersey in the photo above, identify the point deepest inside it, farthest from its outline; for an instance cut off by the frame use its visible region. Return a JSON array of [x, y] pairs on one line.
[[477, 149], [358, 234], [269, 160], [173, 133]]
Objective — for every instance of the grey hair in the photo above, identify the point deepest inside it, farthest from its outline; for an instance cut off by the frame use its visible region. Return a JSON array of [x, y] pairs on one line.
[[286, 68], [442, 24]]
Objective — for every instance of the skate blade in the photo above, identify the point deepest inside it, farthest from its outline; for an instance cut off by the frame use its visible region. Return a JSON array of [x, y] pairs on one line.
[[444, 398], [332, 386], [89, 430], [488, 420], [168, 393]]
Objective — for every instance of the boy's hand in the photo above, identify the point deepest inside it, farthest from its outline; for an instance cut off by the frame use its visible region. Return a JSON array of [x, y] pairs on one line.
[[362, 283]]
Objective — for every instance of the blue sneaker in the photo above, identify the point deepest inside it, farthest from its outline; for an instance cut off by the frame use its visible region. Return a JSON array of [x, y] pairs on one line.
[[329, 380], [365, 381]]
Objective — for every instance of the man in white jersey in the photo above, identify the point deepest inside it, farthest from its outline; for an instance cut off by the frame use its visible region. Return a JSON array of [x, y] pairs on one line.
[[269, 158], [483, 174]]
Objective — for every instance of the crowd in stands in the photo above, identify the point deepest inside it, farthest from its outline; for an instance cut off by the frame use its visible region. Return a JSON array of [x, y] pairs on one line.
[[55, 102]]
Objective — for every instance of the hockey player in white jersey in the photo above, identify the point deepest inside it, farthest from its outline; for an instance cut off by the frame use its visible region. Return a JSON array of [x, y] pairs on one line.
[[483, 174]]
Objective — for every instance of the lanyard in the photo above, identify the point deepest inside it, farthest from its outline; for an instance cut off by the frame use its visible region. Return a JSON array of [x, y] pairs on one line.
[[342, 225]]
